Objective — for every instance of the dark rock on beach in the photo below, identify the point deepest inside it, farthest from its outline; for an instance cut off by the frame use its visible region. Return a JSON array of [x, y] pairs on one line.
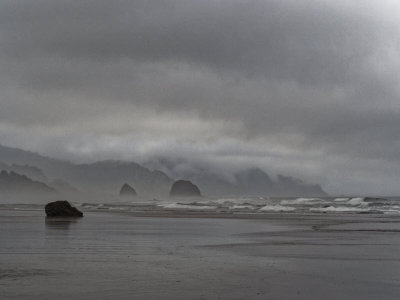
[[127, 191], [182, 188], [62, 209]]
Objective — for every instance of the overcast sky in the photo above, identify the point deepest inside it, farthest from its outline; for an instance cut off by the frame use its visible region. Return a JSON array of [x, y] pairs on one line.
[[304, 88]]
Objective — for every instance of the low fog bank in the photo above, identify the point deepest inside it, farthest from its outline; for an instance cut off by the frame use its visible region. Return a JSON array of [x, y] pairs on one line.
[[30, 176]]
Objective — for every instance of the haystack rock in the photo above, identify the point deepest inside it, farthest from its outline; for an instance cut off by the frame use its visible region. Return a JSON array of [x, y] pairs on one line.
[[62, 209], [183, 188], [127, 191]]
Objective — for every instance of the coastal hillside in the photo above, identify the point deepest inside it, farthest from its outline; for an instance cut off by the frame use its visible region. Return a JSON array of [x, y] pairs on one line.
[[245, 182], [12, 183], [98, 177], [108, 176]]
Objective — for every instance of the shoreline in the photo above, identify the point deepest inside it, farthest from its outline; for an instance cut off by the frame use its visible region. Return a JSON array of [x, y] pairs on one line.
[[165, 213]]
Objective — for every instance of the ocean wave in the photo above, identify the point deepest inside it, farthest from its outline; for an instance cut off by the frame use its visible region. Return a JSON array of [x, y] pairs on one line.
[[186, 206], [242, 207], [341, 199], [277, 208], [243, 204], [358, 202], [302, 201], [339, 209]]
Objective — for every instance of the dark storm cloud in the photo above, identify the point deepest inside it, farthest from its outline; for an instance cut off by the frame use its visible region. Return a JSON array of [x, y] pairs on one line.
[[307, 41], [305, 87]]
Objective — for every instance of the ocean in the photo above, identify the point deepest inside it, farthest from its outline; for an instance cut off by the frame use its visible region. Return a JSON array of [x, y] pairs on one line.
[[258, 205]]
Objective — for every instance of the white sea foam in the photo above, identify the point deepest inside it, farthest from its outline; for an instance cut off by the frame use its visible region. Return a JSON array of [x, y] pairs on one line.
[[391, 211], [187, 206], [341, 199], [277, 208], [262, 204], [358, 202], [236, 201], [302, 201], [355, 201], [119, 208], [241, 207], [338, 209]]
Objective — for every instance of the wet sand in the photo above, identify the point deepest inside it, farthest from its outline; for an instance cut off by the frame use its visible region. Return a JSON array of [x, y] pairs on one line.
[[275, 256]]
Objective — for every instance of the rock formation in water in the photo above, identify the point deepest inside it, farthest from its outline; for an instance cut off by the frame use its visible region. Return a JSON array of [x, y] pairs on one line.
[[183, 188], [62, 209], [127, 191]]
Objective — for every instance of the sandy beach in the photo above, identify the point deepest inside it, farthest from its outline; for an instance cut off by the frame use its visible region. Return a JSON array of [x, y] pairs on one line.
[[124, 256]]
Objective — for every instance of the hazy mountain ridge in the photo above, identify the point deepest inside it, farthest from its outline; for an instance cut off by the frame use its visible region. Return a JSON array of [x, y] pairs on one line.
[[256, 182], [247, 182], [99, 177], [14, 183], [36, 174], [112, 174], [108, 176], [32, 172]]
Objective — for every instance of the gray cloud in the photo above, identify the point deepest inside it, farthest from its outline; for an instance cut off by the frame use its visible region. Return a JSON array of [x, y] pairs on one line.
[[309, 88]]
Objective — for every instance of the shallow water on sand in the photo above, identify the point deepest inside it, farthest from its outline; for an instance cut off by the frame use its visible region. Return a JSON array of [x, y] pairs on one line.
[[118, 256]]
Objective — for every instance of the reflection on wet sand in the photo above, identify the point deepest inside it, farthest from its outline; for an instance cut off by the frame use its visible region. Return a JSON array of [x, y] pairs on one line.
[[119, 256], [59, 223]]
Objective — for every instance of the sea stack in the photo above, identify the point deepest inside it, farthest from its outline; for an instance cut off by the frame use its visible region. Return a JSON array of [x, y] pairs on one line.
[[184, 188], [62, 209], [127, 191]]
